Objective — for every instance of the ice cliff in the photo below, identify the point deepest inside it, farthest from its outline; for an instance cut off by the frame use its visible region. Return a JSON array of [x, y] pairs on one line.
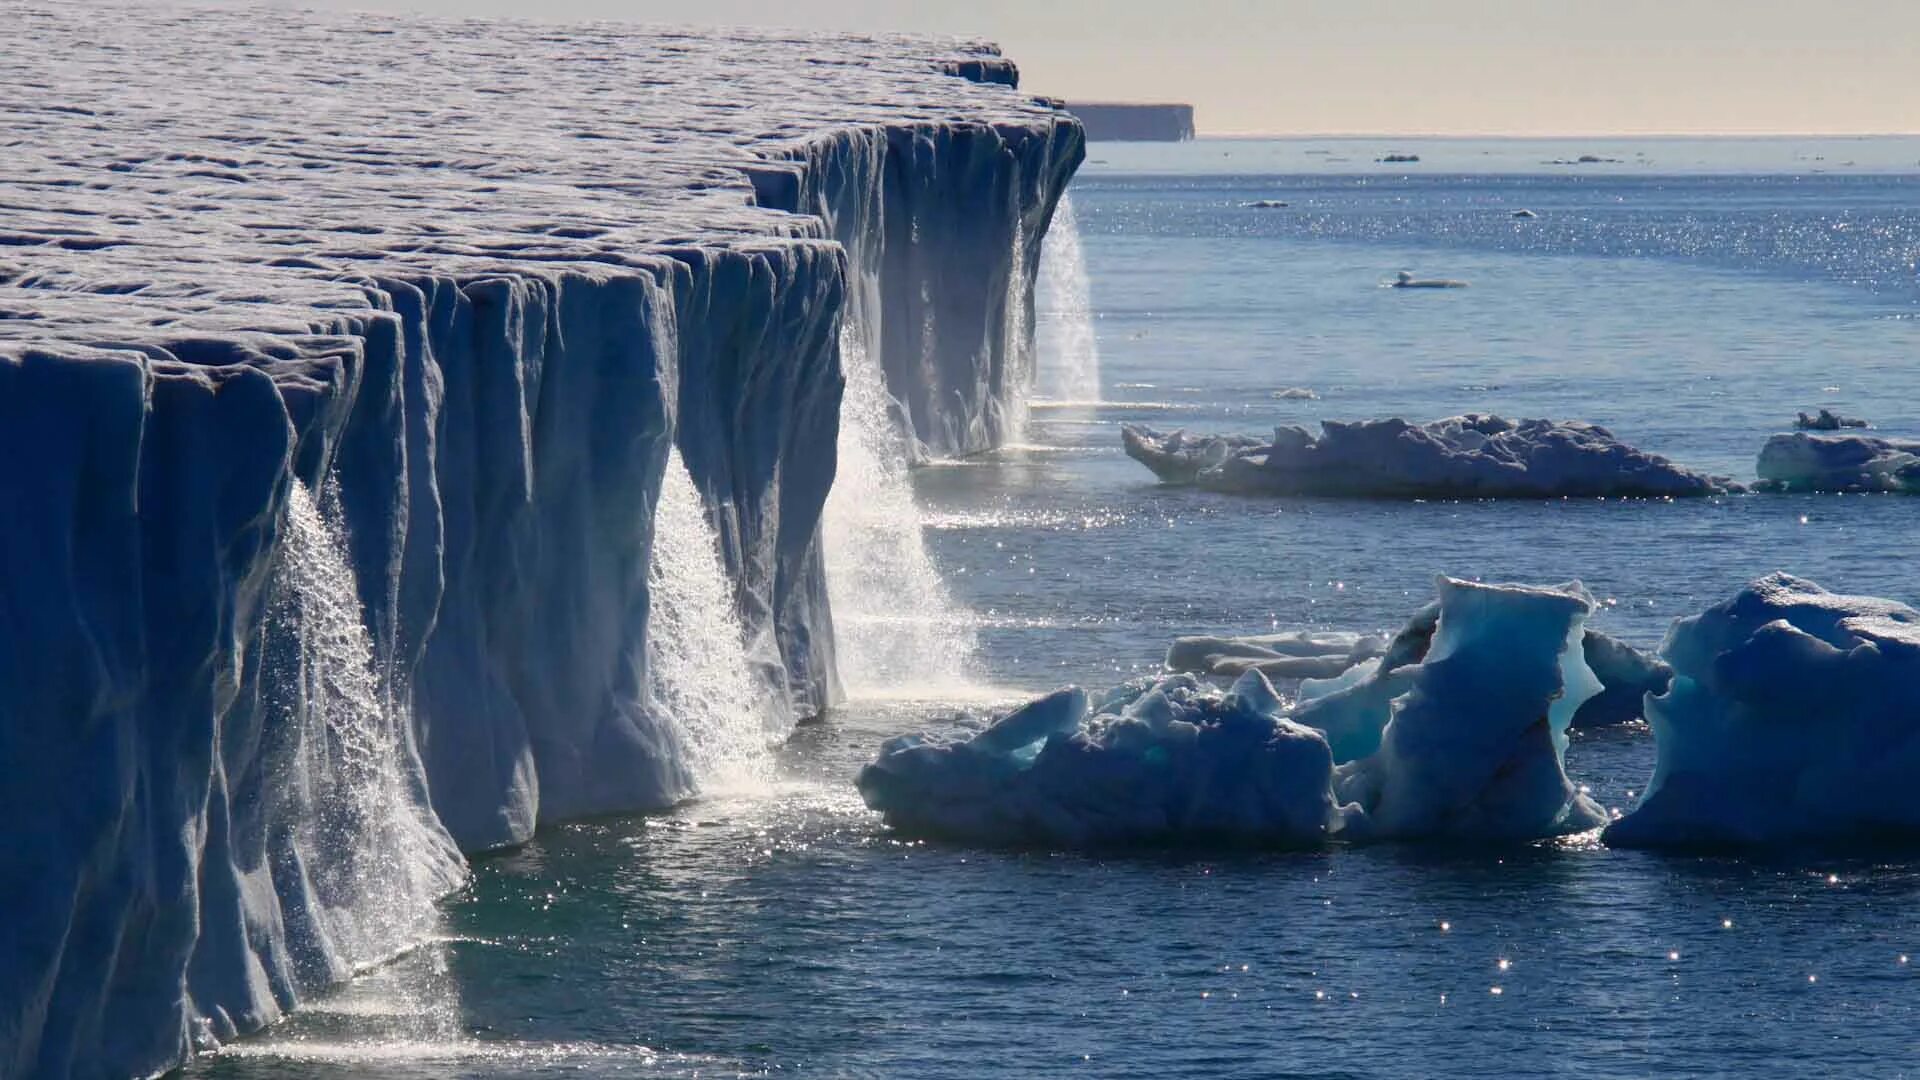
[[1460, 457], [336, 395]]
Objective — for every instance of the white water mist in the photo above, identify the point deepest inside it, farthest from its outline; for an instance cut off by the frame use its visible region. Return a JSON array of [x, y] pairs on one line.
[[724, 716], [362, 833], [898, 632], [1069, 357]]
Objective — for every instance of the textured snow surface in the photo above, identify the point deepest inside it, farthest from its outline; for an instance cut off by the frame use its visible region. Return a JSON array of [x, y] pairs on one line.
[[1456, 732], [1464, 457], [474, 281], [1794, 717], [1802, 462]]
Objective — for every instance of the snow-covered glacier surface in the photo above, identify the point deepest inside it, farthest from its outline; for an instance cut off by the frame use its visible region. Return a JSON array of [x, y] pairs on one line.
[[1794, 717], [1457, 732], [1460, 457], [342, 363]]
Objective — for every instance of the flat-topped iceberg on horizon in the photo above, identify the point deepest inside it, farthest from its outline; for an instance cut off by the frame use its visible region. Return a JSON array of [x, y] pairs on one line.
[[1460, 457], [1794, 718], [1465, 743]]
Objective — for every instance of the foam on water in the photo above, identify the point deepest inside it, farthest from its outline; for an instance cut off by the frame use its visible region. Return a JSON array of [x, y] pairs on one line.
[[1069, 355], [726, 718]]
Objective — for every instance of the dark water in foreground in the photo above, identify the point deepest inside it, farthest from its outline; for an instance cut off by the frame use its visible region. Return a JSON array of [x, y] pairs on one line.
[[788, 933]]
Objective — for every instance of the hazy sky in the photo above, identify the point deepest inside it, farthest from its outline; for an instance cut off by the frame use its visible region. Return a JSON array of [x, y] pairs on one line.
[[1415, 66]]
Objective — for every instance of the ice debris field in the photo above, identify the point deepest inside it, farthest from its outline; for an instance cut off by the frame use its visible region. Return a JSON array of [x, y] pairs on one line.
[[1785, 715]]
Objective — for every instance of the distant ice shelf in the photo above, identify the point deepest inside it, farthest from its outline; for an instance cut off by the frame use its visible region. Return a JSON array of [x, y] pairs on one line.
[[1460, 457], [458, 288]]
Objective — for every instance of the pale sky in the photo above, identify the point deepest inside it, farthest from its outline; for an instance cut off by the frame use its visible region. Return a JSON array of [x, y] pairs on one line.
[[1532, 67]]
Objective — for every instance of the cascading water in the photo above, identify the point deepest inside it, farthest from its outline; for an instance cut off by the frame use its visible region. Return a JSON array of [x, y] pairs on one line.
[[1069, 357], [358, 824], [701, 680], [898, 631], [1019, 345]]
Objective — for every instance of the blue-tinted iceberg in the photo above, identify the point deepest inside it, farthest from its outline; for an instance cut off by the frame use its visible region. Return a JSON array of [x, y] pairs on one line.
[[1331, 660], [1802, 462], [1456, 732], [1794, 717], [1160, 760], [1461, 457]]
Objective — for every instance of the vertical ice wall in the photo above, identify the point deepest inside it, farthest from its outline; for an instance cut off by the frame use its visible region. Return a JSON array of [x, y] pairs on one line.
[[225, 809], [336, 499], [943, 226]]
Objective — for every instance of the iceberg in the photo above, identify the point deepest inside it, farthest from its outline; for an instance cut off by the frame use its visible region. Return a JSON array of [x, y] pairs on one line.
[[435, 347], [1840, 463], [1794, 718], [1291, 654], [1461, 457], [1827, 420], [1456, 732], [1333, 659]]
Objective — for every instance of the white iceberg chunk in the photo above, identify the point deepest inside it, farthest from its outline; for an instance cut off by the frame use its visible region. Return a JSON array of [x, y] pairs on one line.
[[1827, 420], [1329, 662], [1474, 748], [1802, 462], [1457, 731], [1461, 457], [1794, 717], [1159, 760]]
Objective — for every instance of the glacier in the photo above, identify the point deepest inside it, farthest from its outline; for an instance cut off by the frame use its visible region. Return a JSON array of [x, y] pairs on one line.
[[1460, 457], [340, 397], [1841, 463], [1793, 719], [1457, 732]]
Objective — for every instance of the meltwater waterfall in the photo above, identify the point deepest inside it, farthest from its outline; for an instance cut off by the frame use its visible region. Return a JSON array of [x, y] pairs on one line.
[[1069, 357], [724, 718], [899, 631], [355, 831]]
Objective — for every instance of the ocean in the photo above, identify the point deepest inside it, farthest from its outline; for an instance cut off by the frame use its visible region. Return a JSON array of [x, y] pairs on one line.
[[1691, 295]]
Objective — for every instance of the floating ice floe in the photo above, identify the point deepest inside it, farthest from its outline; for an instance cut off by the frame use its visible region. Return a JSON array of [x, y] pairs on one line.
[[1471, 456], [1405, 280], [1323, 659], [1827, 420], [1794, 717], [1464, 743], [1802, 462]]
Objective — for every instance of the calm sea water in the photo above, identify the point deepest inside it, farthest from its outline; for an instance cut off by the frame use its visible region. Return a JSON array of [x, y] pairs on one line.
[[1691, 295]]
